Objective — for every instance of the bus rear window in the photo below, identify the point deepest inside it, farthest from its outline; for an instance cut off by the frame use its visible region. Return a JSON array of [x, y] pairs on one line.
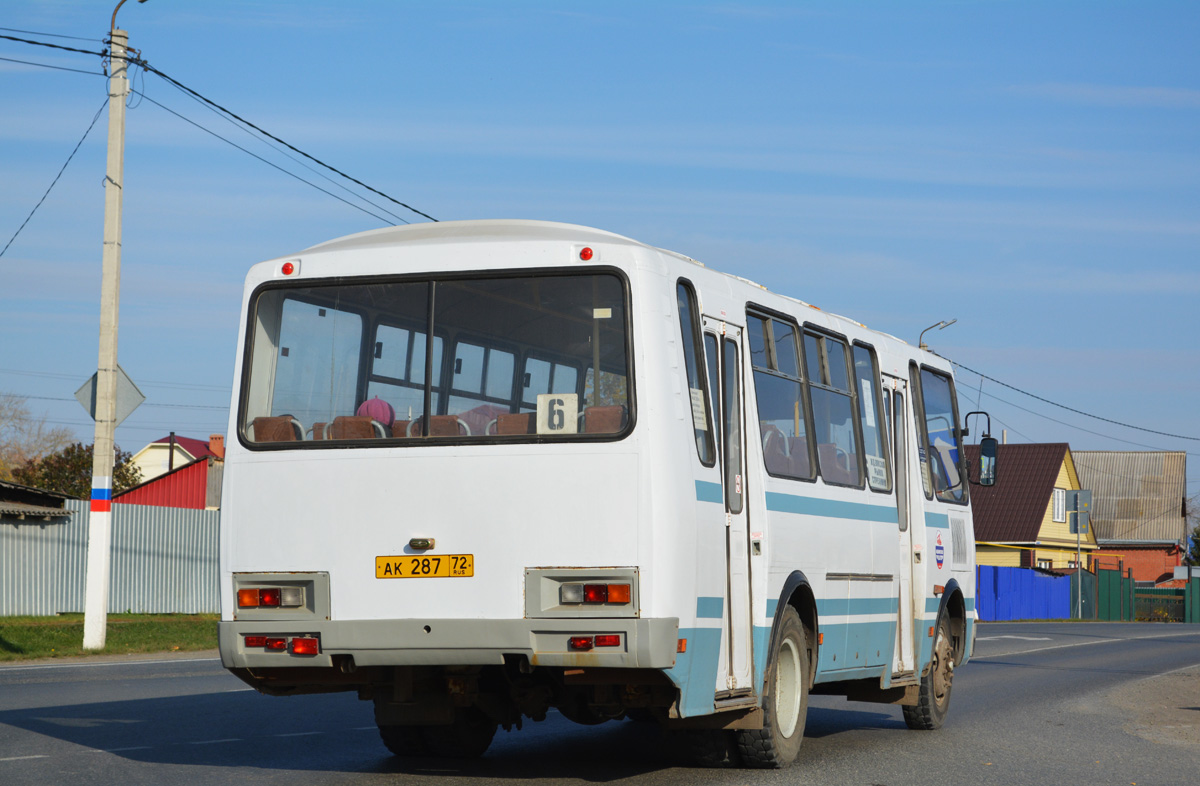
[[507, 358]]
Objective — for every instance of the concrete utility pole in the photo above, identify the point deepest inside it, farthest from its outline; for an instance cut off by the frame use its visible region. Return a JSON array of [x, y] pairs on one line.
[[99, 557]]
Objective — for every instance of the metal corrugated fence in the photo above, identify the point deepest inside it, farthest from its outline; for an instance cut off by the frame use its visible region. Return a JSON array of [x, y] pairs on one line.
[[164, 560]]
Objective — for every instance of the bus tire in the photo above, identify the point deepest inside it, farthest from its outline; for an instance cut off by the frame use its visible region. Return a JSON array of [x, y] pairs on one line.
[[404, 740], [929, 712], [785, 703], [466, 738]]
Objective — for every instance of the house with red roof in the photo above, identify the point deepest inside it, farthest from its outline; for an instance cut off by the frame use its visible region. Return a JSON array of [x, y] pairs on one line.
[[193, 482], [163, 455], [1023, 520]]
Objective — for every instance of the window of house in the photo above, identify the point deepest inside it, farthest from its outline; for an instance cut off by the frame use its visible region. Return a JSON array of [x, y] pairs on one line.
[[1060, 505]]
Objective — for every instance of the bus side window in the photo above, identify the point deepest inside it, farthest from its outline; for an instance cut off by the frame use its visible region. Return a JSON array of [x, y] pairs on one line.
[[782, 423], [835, 426], [689, 328], [940, 437], [866, 374], [714, 391]]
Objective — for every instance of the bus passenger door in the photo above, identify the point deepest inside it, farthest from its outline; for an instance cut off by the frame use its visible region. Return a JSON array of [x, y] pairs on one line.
[[724, 341], [896, 396]]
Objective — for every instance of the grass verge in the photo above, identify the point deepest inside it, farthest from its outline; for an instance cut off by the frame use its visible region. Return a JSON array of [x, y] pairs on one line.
[[26, 638]]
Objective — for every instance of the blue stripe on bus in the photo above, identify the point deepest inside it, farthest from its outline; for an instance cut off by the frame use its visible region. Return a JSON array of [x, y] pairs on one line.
[[840, 607], [710, 608], [828, 508], [709, 492], [937, 520]]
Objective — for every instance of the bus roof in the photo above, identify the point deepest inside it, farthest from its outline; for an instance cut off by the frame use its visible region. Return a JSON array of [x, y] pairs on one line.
[[474, 231]]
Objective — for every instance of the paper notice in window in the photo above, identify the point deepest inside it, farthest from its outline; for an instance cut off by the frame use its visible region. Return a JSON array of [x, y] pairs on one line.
[[699, 414]]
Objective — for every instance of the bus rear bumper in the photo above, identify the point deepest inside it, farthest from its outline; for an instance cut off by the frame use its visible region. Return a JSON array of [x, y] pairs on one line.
[[642, 643]]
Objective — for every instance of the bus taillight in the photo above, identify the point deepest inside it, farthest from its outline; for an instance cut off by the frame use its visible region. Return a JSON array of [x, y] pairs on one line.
[[306, 646], [595, 593], [580, 642], [271, 597]]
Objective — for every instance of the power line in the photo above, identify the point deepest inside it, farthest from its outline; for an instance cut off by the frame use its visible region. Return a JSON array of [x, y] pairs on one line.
[[260, 158], [150, 383], [54, 46], [50, 35], [282, 151], [145, 404], [1072, 409], [56, 177], [145, 65], [47, 65], [222, 109]]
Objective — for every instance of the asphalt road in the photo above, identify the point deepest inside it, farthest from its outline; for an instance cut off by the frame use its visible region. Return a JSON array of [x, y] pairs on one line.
[[1040, 703]]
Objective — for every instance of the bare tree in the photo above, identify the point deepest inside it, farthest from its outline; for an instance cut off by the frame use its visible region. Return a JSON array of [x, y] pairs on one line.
[[24, 438]]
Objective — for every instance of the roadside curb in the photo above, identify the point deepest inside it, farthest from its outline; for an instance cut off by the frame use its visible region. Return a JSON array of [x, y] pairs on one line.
[[76, 660]]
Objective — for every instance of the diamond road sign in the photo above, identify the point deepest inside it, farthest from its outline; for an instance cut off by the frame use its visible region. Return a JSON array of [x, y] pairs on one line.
[[129, 397]]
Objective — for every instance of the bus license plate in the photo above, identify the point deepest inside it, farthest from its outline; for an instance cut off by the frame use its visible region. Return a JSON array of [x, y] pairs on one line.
[[441, 566]]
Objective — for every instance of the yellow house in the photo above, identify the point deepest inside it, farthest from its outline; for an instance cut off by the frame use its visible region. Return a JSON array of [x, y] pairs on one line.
[[1024, 520]]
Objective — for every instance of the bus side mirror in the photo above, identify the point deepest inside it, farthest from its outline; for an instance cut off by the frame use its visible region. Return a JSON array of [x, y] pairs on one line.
[[987, 461]]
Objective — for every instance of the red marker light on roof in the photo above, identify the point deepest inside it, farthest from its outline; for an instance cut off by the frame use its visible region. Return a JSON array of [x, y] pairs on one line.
[[585, 254]]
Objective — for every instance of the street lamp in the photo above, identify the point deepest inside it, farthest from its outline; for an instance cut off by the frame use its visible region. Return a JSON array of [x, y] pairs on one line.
[[940, 326]]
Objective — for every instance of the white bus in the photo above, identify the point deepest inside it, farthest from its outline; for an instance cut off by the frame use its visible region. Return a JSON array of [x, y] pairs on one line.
[[483, 469]]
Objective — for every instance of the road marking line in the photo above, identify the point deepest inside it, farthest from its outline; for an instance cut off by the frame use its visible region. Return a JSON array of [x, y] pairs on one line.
[[1023, 638], [24, 758], [299, 734], [131, 748], [1081, 644], [215, 742]]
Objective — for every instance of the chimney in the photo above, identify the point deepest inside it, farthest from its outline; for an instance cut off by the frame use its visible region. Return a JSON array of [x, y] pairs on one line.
[[216, 443]]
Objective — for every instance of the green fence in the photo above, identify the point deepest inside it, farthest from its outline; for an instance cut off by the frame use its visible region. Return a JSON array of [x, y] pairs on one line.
[[1115, 596], [1169, 605]]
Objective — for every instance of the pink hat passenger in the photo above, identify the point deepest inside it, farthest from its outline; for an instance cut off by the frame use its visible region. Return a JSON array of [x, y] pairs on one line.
[[379, 410]]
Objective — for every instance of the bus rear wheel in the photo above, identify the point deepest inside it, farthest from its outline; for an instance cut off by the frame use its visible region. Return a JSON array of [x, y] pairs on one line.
[[404, 740], [934, 701], [785, 705], [468, 737]]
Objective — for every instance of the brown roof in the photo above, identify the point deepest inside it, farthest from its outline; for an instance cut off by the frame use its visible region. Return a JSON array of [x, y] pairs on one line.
[[1012, 511]]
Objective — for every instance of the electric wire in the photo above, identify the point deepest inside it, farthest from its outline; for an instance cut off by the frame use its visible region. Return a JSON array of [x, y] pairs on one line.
[[135, 60], [53, 46], [56, 177], [54, 67], [260, 158], [1072, 409], [52, 35], [217, 106], [282, 151]]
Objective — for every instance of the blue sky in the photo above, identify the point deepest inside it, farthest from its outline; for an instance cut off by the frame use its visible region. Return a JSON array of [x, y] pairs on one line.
[[1030, 169]]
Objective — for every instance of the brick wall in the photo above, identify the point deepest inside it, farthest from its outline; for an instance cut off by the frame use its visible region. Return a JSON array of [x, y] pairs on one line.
[[1148, 564]]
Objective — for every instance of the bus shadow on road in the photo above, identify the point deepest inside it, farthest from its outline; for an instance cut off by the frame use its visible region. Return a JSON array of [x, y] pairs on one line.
[[334, 734]]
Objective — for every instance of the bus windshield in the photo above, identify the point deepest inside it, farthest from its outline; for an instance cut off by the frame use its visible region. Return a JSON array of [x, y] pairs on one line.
[[523, 357]]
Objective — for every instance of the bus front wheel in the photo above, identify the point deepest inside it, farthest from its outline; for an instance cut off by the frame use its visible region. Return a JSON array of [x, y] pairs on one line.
[[934, 701], [785, 705]]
